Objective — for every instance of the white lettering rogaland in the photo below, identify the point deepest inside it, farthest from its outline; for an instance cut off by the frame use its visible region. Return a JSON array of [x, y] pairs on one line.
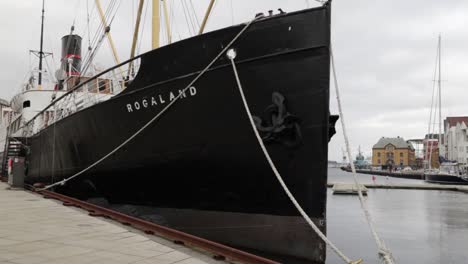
[[159, 99]]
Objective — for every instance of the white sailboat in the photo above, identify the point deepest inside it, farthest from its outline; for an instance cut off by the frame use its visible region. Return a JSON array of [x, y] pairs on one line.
[[445, 172]]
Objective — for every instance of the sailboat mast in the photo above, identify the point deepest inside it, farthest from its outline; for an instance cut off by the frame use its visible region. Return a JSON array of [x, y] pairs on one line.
[[41, 52], [435, 102], [156, 25], [440, 95]]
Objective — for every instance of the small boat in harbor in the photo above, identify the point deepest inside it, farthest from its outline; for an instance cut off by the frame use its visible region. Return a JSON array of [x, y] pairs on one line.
[[448, 173]]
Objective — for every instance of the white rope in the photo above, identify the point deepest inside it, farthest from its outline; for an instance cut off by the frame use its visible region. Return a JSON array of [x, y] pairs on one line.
[[384, 252], [231, 55], [62, 182]]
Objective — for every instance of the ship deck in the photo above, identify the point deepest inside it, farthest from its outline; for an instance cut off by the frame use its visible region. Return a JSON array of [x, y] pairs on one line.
[[37, 230]]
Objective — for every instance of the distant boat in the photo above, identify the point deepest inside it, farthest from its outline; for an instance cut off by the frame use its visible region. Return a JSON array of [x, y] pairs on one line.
[[432, 138], [448, 173], [333, 164], [361, 162]]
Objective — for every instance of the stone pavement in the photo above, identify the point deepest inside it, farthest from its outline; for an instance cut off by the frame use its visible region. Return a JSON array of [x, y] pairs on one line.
[[37, 230]]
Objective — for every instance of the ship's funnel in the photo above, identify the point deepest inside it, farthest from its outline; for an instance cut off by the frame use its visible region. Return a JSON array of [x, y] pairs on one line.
[[71, 55]]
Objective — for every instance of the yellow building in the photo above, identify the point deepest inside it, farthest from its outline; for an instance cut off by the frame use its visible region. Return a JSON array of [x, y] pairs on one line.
[[393, 152]]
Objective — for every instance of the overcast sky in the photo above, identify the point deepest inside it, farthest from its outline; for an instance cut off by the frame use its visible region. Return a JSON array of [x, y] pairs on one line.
[[384, 50]]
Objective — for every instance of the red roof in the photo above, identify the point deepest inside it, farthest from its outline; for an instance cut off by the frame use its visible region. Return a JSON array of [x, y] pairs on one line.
[[453, 120]]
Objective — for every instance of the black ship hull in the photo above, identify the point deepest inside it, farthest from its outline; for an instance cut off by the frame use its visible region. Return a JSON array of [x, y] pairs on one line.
[[444, 179], [200, 165]]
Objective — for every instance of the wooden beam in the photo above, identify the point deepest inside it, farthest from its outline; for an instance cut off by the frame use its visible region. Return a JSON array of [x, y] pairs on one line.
[[156, 25], [135, 36], [168, 26], [108, 35], [207, 15]]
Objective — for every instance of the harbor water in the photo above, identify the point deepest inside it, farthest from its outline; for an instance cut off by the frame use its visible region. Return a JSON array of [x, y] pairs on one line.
[[418, 226]]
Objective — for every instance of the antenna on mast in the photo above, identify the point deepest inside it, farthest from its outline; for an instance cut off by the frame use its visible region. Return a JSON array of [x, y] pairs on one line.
[[41, 52]]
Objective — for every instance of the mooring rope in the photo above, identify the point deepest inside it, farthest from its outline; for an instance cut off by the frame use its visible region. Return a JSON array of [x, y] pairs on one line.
[[159, 114], [231, 55], [384, 252]]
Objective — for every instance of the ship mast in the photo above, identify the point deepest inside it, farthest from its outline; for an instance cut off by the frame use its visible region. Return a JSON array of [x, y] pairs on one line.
[[168, 26], [156, 25], [41, 52], [135, 37], [107, 31], [207, 15]]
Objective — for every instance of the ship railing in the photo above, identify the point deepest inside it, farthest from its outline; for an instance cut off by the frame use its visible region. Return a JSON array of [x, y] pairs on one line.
[[85, 92]]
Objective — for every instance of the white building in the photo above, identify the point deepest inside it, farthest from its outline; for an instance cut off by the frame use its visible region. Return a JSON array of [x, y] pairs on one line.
[[456, 138], [5, 119]]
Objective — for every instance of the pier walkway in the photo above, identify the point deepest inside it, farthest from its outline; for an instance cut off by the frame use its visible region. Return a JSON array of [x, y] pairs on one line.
[[439, 187], [36, 230]]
